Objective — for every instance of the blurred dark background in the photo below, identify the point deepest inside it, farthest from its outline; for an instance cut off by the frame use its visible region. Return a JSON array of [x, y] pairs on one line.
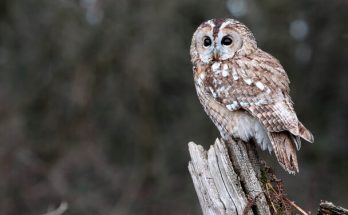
[[98, 103]]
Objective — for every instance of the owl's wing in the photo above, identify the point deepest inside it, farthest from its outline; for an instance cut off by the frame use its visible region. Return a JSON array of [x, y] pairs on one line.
[[259, 85]]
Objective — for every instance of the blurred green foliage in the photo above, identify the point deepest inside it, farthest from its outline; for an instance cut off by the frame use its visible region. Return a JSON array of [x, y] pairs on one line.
[[98, 104]]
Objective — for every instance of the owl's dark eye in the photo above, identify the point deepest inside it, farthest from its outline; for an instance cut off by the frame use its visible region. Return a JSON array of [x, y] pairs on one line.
[[226, 41], [206, 42]]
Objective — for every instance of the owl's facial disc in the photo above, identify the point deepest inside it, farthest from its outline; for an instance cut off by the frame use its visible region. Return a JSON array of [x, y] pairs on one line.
[[228, 42], [221, 39], [216, 43], [205, 46]]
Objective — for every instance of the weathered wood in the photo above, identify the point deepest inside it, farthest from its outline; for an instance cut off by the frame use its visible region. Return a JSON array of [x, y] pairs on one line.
[[248, 175], [327, 208], [60, 210], [226, 180]]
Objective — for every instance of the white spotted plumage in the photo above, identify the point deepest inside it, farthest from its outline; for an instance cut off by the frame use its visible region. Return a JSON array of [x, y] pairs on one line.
[[244, 90]]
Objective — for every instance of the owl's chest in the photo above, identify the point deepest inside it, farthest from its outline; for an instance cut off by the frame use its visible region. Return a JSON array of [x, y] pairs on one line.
[[219, 79]]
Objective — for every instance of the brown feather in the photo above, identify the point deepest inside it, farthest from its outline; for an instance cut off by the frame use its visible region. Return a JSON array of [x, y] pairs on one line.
[[245, 91], [285, 151], [305, 133]]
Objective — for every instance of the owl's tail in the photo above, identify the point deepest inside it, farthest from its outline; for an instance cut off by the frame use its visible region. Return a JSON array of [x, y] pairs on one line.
[[305, 133], [284, 146]]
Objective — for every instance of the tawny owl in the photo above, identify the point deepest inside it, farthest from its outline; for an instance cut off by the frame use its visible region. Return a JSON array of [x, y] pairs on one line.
[[245, 91]]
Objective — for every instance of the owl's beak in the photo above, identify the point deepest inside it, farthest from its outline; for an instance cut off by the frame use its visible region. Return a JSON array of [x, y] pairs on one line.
[[215, 54]]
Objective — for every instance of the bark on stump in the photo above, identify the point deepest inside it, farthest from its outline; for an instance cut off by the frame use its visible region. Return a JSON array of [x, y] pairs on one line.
[[327, 208], [227, 179]]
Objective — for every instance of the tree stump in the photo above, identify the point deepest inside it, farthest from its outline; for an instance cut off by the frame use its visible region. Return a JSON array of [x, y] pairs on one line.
[[227, 179]]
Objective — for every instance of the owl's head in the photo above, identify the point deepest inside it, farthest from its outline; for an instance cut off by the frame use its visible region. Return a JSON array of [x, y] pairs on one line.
[[221, 39]]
